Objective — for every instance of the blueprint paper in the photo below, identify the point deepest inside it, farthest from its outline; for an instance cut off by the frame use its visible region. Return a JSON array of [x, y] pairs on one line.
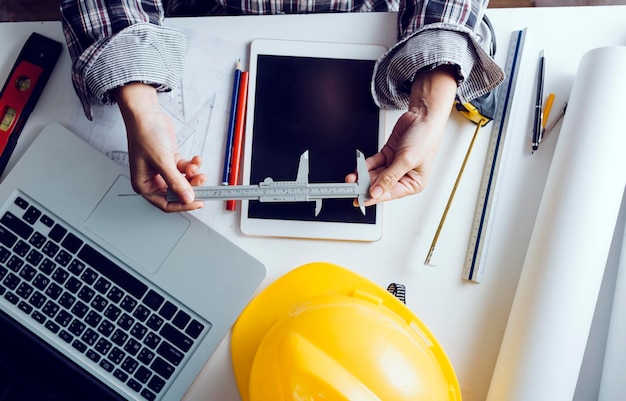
[[549, 323]]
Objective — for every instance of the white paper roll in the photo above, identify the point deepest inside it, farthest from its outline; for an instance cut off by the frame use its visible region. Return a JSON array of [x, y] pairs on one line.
[[612, 383], [546, 334]]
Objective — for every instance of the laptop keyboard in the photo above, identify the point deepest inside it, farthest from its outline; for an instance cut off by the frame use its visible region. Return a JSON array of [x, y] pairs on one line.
[[120, 325]]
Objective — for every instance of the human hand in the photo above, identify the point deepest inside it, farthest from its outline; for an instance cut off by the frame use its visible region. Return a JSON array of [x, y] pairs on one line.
[[155, 162], [402, 167]]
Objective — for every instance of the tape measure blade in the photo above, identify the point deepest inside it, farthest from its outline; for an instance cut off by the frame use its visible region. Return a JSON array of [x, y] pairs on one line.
[[488, 190]]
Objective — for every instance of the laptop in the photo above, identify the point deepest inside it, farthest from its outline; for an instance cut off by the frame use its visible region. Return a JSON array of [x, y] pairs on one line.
[[105, 297]]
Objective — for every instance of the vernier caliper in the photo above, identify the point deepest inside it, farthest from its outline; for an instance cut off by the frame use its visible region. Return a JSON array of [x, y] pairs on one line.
[[299, 190]]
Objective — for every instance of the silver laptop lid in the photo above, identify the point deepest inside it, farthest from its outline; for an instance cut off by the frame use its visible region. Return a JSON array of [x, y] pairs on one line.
[[178, 259]]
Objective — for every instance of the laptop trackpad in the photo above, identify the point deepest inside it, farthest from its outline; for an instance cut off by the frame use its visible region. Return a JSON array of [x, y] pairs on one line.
[[136, 228]]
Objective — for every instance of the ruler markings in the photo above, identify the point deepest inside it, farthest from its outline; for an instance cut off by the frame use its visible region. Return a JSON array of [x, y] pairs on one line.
[[299, 190], [485, 208]]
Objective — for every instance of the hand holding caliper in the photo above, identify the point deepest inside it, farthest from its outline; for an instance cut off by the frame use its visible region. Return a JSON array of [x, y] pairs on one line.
[[299, 190]]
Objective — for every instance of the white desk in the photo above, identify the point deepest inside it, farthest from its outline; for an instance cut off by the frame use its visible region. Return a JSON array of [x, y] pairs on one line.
[[468, 319]]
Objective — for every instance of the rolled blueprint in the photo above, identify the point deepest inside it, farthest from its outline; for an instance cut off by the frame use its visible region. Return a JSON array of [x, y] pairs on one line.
[[612, 384], [546, 334]]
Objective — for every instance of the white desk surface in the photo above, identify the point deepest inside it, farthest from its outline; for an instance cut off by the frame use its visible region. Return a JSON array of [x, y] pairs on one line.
[[468, 319]]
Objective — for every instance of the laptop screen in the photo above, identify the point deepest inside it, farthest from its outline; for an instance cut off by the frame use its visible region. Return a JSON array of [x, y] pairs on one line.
[[32, 370]]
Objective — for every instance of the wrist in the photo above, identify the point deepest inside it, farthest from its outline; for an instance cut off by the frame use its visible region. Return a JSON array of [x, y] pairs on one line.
[[433, 91], [135, 98]]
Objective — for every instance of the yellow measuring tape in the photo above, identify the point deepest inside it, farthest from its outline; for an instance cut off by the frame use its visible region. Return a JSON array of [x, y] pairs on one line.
[[480, 113]]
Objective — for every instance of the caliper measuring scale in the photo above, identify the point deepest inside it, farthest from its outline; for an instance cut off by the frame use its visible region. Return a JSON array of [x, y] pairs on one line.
[[299, 190]]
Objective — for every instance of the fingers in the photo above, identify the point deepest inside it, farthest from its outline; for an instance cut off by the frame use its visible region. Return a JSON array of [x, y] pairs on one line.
[[397, 180], [373, 164], [394, 174], [155, 162], [179, 186], [177, 183], [180, 180], [170, 207], [402, 167], [191, 168]]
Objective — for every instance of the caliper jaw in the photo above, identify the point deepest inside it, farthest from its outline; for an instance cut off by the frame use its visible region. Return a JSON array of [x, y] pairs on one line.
[[363, 179]]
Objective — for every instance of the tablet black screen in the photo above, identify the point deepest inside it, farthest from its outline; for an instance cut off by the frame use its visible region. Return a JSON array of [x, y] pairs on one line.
[[317, 104]]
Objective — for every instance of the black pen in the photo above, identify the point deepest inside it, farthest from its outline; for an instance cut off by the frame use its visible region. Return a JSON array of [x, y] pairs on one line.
[[538, 104]]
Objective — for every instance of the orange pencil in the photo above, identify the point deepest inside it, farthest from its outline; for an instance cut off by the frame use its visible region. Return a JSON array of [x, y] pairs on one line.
[[240, 123]]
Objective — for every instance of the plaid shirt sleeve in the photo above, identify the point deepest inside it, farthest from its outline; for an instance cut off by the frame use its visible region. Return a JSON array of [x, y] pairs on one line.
[[113, 42], [432, 33]]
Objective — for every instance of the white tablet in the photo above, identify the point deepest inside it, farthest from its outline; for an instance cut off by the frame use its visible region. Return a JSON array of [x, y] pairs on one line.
[[315, 97]]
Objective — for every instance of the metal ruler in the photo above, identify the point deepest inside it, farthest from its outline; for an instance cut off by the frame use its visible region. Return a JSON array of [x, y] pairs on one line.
[[488, 191], [299, 190]]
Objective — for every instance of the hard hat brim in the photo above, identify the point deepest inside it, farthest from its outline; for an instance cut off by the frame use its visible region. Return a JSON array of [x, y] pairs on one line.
[[303, 284]]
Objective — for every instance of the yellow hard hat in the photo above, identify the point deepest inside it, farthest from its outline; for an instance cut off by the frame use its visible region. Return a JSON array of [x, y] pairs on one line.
[[322, 333]]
